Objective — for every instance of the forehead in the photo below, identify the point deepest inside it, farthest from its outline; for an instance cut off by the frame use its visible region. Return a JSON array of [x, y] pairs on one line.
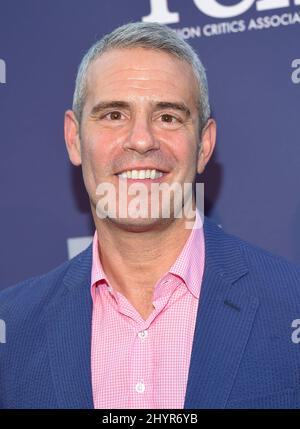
[[140, 72]]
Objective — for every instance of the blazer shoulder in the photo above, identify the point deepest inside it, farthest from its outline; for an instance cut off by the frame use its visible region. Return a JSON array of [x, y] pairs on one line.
[[39, 290], [266, 272], [266, 260], [255, 255], [269, 270]]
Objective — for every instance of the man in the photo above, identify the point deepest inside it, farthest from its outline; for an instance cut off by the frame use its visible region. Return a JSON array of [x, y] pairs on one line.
[[153, 314]]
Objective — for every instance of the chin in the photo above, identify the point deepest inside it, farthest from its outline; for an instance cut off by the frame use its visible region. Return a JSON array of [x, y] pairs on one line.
[[140, 224]]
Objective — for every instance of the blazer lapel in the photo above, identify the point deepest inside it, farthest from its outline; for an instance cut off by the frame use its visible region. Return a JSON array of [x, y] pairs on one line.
[[224, 321], [69, 322]]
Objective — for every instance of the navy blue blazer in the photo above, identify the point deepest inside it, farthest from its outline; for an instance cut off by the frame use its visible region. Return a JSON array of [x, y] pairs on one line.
[[243, 355]]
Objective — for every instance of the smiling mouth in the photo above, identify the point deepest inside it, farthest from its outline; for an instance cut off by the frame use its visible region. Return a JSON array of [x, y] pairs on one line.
[[142, 174]]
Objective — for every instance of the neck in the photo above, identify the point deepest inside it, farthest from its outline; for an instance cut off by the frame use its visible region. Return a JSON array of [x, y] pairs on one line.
[[134, 261]]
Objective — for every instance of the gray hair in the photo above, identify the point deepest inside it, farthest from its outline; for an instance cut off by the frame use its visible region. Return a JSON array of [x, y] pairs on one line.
[[149, 36]]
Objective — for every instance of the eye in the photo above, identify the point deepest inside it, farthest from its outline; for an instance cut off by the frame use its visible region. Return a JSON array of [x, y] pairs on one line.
[[114, 116], [168, 118]]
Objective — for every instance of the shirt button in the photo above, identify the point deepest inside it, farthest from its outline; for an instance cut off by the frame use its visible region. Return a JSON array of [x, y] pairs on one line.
[[110, 289], [140, 387], [143, 334]]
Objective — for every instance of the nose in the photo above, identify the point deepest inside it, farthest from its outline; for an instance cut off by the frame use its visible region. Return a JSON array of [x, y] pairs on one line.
[[141, 138]]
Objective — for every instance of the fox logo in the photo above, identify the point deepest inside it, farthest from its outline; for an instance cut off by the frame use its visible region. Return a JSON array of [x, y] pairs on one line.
[[160, 9]]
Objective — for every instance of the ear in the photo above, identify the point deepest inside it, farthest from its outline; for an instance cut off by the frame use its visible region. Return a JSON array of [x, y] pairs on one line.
[[72, 139], [208, 141]]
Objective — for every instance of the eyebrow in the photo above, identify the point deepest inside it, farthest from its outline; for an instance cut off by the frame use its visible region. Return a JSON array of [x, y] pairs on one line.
[[173, 106], [103, 105]]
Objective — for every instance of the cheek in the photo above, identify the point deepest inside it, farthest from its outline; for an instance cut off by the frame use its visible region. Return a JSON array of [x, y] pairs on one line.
[[95, 156], [185, 151]]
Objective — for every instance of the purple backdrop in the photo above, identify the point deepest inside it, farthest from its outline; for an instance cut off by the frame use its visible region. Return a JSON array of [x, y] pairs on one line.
[[251, 50]]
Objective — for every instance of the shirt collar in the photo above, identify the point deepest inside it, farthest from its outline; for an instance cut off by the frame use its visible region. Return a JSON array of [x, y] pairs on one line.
[[189, 265]]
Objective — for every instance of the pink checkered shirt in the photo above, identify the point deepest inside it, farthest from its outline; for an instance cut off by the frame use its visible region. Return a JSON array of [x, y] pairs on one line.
[[140, 363]]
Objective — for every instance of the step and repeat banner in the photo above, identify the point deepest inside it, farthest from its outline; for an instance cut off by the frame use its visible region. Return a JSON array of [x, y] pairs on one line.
[[251, 50]]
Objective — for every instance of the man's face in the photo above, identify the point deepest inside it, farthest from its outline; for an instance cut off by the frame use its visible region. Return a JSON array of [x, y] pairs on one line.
[[140, 113]]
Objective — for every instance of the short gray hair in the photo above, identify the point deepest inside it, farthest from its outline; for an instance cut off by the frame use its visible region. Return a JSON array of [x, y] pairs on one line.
[[150, 36]]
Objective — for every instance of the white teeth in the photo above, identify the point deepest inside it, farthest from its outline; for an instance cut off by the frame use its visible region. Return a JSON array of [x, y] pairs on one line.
[[141, 174]]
